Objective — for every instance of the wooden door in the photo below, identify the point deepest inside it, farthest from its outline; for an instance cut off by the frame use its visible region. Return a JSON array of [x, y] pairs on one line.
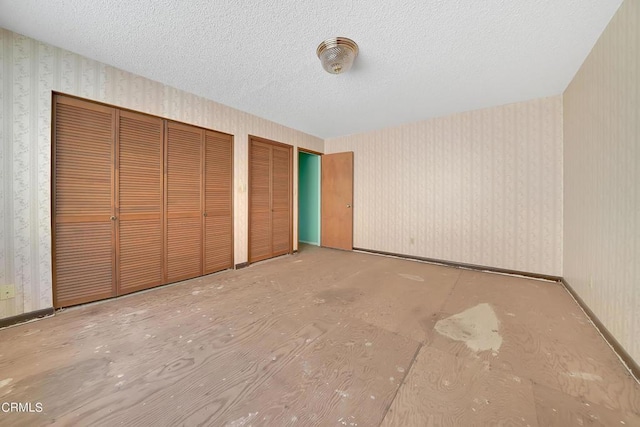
[[270, 211], [280, 200], [84, 233], [259, 201], [218, 201], [337, 201], [139, 202], [184, 201]]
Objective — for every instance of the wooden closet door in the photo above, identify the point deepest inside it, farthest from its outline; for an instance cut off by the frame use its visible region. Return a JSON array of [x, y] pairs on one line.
[[83, 195], [260, 235], [184, 201], [140, 202], [280, 200], [218, 200]]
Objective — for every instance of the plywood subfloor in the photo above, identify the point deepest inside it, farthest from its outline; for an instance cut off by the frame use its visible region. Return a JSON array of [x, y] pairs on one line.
[[323, 337]]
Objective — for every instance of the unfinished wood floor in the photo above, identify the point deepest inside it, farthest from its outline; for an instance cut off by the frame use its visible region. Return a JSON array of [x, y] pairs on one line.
[[325, 338]]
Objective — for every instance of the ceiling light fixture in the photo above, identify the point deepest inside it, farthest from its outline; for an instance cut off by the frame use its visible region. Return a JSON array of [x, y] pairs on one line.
[[337, 54]]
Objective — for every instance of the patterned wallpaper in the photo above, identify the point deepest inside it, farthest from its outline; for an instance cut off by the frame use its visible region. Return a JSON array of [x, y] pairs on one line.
[[482, 187], [602, 179], [29, 71]]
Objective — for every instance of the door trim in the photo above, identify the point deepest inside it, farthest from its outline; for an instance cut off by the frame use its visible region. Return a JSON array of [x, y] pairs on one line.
[[306, 150], [289, 147], [315, 153]]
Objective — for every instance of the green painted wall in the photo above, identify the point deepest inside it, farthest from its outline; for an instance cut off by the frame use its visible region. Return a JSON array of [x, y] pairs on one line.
[[309, 198]]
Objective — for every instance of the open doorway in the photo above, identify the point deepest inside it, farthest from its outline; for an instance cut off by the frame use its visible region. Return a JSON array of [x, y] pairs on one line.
[[309, 177]]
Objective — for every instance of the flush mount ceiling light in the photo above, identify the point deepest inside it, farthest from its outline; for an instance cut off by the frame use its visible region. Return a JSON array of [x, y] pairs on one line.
[[337, 54]]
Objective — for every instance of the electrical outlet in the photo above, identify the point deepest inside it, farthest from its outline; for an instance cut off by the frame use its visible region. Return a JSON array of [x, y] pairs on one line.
[[7, 292]]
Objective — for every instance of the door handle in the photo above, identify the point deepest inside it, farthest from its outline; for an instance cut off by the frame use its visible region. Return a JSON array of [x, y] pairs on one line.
[[113, 218], [348, 205], [204, 214]]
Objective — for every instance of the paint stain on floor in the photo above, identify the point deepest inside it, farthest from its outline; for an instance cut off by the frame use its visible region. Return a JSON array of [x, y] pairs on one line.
[[585, 376], [411, 277], [477, 327]]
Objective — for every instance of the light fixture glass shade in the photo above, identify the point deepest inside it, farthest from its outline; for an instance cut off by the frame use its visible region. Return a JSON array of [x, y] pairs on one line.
[[337, 54]]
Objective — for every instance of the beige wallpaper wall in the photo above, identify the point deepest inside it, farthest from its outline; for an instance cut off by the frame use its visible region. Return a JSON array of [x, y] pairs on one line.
[[602, 179], [29, 71], [483, 187]]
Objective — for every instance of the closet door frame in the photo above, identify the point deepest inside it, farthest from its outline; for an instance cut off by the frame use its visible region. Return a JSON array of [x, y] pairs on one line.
[[252, 138], [115, 183]]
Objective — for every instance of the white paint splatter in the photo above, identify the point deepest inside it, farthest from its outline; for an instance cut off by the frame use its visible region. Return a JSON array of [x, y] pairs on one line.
[[5, 382], [585, 376], [135, 313], [372, 397], [195, 292], [343, 394], [400, 368], [220, 287], [242, 420], [368, 344], [477, 327], [306, 369], [411, 277]]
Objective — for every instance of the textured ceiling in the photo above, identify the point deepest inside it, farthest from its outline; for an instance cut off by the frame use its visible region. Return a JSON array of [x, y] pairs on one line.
[[418, 59]]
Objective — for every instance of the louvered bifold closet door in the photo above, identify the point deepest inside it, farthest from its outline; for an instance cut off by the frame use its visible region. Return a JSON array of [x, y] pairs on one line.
[[281, 200], [218, 200], [83, 185], [260, 201], [139, 203], [184, 201]]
